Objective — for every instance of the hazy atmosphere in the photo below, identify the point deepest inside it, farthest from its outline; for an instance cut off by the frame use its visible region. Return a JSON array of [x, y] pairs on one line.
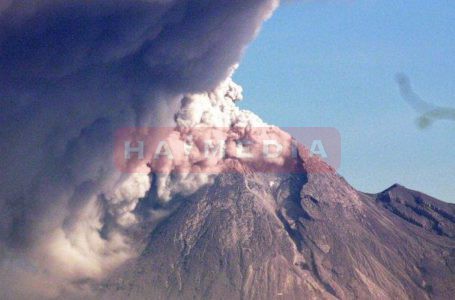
[[227, 149]]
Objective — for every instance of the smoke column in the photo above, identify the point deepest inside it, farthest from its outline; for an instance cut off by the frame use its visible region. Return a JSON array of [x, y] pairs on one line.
[[71, 73]]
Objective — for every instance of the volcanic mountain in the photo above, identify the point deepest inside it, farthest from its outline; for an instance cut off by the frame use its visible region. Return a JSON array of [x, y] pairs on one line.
[[264, 236]]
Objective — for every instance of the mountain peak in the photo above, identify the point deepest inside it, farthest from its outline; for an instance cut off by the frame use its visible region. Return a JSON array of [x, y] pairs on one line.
[[304, 236], [395, 186], [419, 209]]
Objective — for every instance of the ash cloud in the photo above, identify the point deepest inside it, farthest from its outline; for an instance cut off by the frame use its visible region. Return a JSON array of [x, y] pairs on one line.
[[71, 73]]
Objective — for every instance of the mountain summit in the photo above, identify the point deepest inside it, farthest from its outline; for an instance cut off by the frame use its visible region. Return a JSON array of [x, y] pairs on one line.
[[262, 236]]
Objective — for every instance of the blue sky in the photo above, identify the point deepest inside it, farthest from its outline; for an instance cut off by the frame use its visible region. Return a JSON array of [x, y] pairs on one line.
[[333, 63]]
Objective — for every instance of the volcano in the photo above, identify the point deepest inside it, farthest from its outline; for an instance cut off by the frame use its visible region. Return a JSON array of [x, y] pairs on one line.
[[264, 236]]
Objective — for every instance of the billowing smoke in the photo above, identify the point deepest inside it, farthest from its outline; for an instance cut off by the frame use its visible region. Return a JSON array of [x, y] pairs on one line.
[[214, 135], [71, 74]]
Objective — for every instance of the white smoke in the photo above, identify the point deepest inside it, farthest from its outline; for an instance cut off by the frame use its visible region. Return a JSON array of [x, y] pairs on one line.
[[213, 118], [124, 199], [215, 109]]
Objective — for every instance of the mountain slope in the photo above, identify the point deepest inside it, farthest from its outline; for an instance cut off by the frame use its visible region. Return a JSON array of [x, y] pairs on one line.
[[419, 209], [263, 236]]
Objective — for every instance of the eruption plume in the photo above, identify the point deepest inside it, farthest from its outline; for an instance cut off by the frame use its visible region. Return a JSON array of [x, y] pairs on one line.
[[73, 72]]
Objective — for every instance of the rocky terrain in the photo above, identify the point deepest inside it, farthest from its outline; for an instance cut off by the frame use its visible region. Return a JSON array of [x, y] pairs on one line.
[[262, 236]]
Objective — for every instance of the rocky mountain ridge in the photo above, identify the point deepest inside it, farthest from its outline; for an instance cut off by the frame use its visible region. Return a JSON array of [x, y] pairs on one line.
[[262, 236]]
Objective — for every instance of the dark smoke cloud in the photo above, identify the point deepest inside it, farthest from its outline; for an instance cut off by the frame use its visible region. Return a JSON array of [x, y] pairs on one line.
[[71, 73]]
